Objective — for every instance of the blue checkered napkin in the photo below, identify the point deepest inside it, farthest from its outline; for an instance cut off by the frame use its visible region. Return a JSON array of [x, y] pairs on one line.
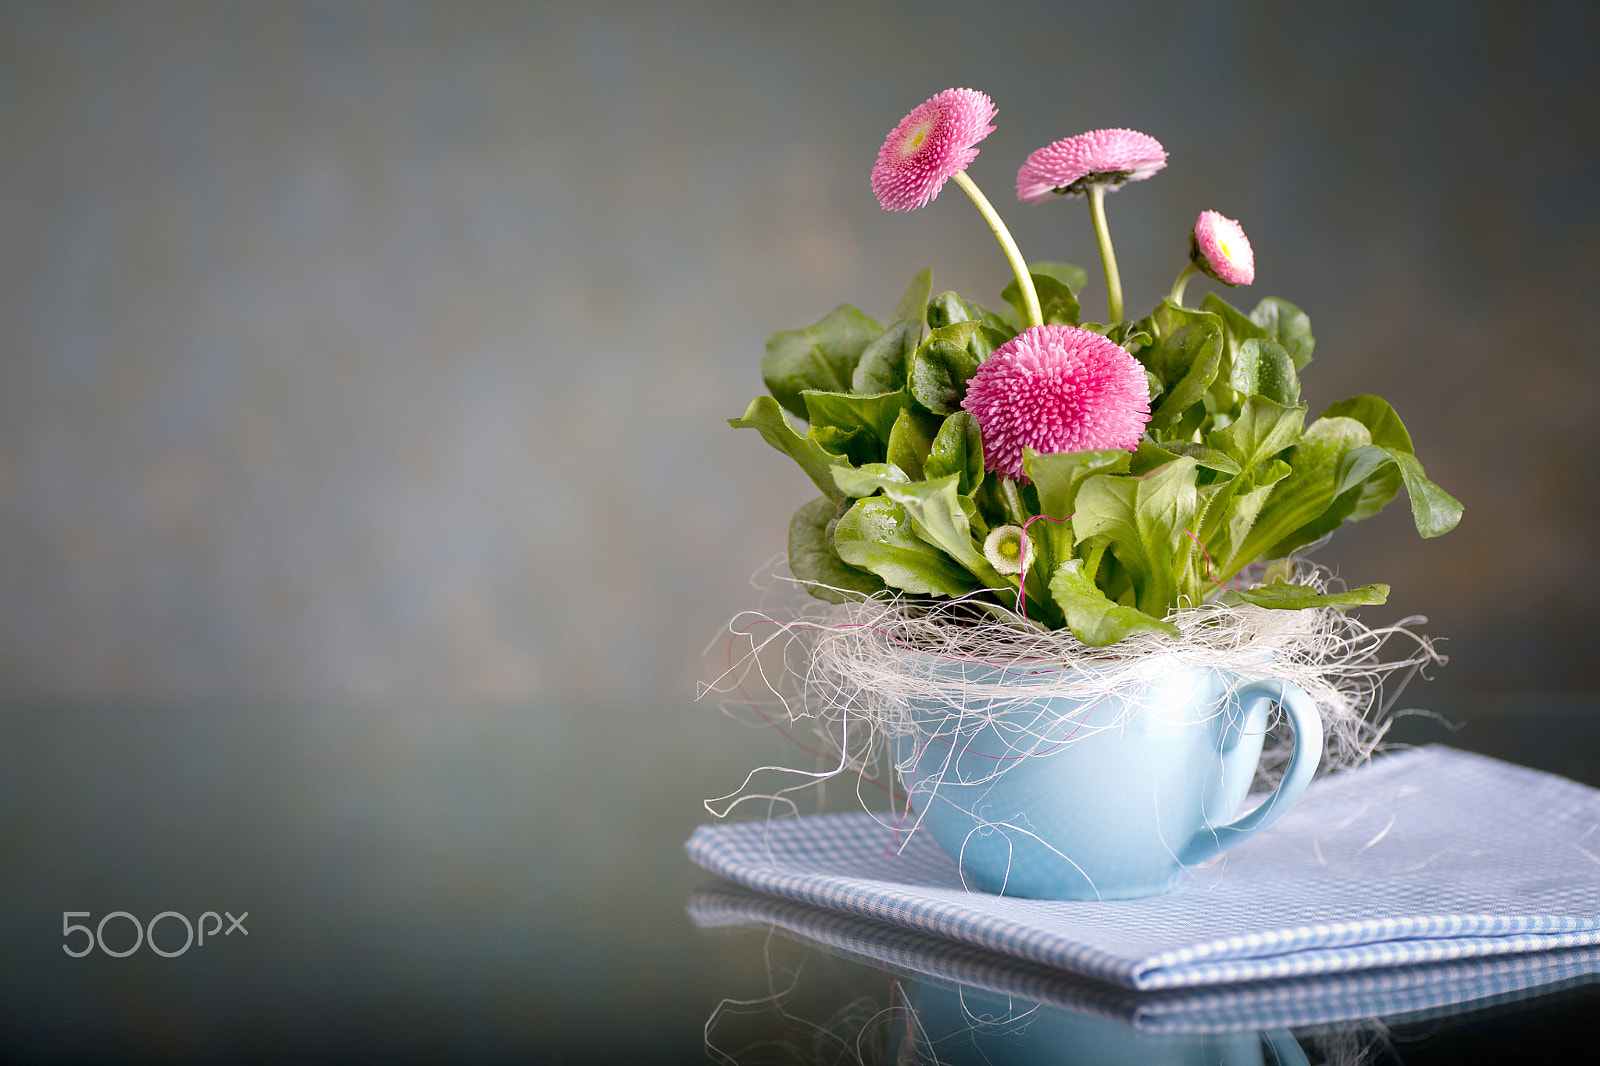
[[1423, 856], [1406, 993]]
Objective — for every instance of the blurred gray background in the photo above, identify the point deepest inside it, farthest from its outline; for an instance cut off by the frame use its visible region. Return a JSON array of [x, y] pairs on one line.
[[378, 353]]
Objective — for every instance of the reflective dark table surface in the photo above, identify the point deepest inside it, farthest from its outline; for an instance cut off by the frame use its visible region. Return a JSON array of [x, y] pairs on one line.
[[511, 885]]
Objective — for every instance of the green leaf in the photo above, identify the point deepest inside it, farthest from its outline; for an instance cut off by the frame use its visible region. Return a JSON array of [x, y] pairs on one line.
[[1149, 455], [1092, 617], [947, 308], [1380, 419], [1240, 326], [850, 412], [941, 366], [813, 560], [1187, 361], [1433, 510], [1263, 428], [1057, 304], [885, 362], [913, 306], [1057, 479], [876, 535], [823, 356], [957, 449], [765, 416], [910, 440], [1074, 277], [1264, 367], [1208, 457], [939, 517], [1298, 511], [1289, 326], [1145, 521], [866, 479], [1283, 597]]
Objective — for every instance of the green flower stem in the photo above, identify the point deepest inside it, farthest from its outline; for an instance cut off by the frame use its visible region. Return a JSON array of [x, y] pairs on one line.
[[1019, 267], [1189, 271], [1011, 500], [1108, 257]]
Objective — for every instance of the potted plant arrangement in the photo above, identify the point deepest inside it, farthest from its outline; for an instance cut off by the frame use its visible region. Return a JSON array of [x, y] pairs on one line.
[[1061, 553]]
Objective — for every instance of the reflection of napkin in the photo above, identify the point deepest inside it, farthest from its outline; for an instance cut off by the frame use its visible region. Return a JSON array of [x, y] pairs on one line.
[[1407, 993], [1422, 856]]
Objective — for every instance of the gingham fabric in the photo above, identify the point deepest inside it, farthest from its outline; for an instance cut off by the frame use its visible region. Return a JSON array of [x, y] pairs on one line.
[[1422, 856], [1408, 993]]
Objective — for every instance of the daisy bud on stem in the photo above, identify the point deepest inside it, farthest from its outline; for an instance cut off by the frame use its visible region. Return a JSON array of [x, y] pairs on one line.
[[1218, 249], [933, 144]]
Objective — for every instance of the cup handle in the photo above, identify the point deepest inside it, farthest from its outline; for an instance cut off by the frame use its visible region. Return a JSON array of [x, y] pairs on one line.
[[1307, 722]]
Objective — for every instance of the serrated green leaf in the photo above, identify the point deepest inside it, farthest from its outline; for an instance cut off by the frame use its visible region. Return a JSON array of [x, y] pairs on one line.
[[765, 416], [1263, 428], [1147, 456], [1056, 480], [823, 356], [1206, 456], [1093, 618], [1145, 521], [1282, 597], [814, 561], [1298, 511], [1289, 326], [877, 535], [957, 449]]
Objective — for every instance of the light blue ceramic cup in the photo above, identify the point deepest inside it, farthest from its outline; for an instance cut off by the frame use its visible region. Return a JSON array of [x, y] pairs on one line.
[[1051, 799]]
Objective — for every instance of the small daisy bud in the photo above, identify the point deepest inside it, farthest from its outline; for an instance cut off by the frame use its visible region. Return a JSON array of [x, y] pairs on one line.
[[1218, 246]]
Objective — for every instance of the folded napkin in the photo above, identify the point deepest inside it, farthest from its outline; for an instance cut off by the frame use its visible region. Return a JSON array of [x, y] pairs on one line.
[[1397, 995], [1422, 856]]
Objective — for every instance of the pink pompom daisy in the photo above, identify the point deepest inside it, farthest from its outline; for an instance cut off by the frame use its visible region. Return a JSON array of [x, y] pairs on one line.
[[1218, 246], [1110, 157], [1056, 389], [933, 143]]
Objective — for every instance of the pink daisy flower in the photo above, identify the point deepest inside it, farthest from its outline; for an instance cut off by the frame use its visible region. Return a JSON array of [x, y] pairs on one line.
[[1056, 389], [930, 145], [1107, 156], [1218, 246]]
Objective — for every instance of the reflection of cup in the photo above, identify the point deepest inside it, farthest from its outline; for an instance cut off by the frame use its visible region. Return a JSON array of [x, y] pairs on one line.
[[1063, 798], [960, 1024]]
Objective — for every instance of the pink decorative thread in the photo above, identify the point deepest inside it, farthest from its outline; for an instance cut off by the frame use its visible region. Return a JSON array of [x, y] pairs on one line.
[[1022, 578], [1190, 533]]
